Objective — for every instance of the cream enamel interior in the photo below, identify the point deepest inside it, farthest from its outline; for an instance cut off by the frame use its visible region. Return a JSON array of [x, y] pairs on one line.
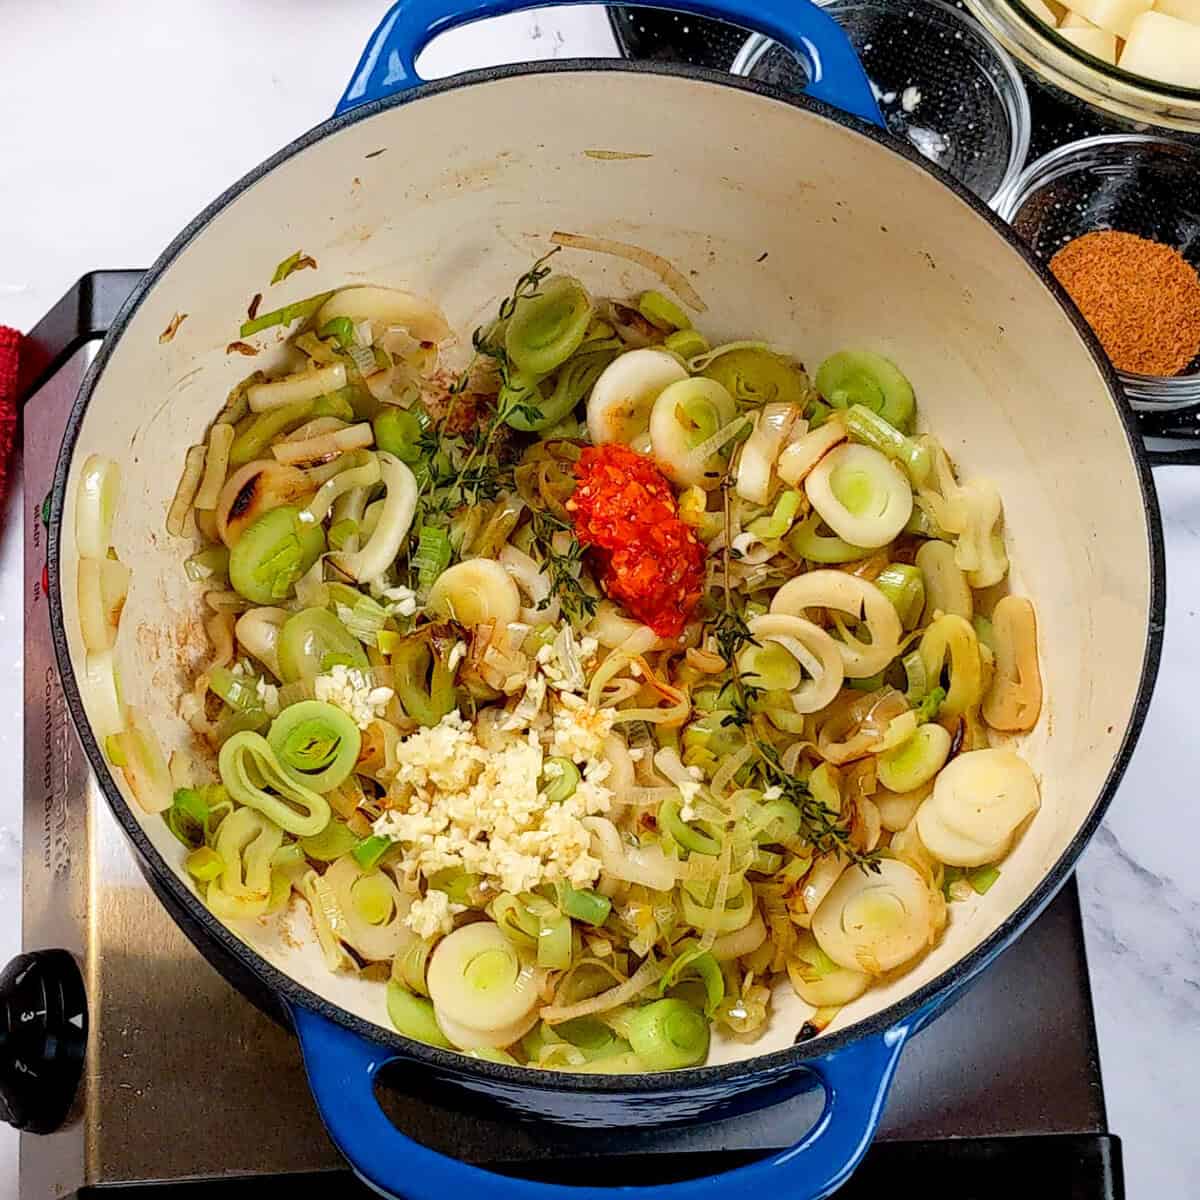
[[862, 248]]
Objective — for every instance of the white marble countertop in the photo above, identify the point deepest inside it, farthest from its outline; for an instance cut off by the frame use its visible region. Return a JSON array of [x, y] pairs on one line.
[[121, 121]]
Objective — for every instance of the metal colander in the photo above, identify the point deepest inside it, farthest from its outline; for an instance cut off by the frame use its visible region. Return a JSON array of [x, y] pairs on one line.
[[942, 83], [663, 36]]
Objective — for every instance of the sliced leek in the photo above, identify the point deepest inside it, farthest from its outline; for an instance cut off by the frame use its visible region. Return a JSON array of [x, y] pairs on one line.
[[668, 1034], [548, 327], [255, 489], [756, 465], [863, 377], [692, 838], [897, 809], [414, 1017], [316, 743], [245, 843], [818, 980], [293, 389], [873, 921], [399, 506], [258, 634], [143, 763], [736, 913], [684, 417], [473, 1040], [371, 909], [686, 343], [807, 542], [755, 375], [693, 962], [860, 495], [904, 586], [619, 407], [475, 591], [946, 587], [312, 641], [248, 767], [861, 601], [478, 978], [950, 644], [1014, 698], [662, 312], [102, 585], [977, 804], [872, 430], [335, 840], [385, 309], [816, 659], [798, 459], [915, 761], [974, 512], [273, 553], [424, 682], [106, 710]]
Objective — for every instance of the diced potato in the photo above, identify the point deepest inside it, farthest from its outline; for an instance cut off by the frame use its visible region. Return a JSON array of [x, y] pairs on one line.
[[1042, 11], [1181, 10], [1114, 15], [1164, 48], [1098, 42], [1075, 21]]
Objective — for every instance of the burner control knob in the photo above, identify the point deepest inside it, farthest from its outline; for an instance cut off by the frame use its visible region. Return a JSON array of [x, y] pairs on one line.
[[43, 1034]]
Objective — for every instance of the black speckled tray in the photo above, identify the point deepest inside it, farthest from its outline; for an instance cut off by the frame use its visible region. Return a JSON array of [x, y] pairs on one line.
[[673, 37]]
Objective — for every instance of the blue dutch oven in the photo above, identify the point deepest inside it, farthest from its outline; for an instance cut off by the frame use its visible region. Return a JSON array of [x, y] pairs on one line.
[[799, 221]]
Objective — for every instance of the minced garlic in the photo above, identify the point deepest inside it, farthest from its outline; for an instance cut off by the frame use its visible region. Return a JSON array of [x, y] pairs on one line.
[[456, 804], [351, 691], [432, 914], [580, 729]]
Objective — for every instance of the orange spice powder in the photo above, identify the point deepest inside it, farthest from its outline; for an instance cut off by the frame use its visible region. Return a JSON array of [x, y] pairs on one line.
[[1142, 298]]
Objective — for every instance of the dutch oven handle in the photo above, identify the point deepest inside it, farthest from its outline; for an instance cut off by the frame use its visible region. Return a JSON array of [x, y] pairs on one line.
[[388, 65], [342, 1067]]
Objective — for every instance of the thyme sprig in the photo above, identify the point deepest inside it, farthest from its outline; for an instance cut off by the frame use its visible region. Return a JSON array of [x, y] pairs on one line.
[[821, 827], [563, 567], [488, 342], [731, 631]]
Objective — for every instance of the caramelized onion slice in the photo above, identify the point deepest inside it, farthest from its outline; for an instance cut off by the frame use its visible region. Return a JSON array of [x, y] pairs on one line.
[[386, 308], [255, 489], [102, 585]]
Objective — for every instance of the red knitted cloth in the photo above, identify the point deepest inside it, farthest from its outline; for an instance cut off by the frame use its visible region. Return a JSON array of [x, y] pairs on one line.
[[10, 352]]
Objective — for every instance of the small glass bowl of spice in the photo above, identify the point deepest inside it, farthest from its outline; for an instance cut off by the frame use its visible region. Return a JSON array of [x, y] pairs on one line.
[[1117, 218]]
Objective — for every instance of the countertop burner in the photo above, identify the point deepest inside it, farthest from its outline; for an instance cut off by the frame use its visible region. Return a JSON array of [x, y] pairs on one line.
[[189, 1090]]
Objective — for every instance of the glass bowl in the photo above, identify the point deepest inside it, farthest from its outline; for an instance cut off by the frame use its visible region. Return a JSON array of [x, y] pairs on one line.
[[1136, 183], [943, 84], [1045, 53]]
